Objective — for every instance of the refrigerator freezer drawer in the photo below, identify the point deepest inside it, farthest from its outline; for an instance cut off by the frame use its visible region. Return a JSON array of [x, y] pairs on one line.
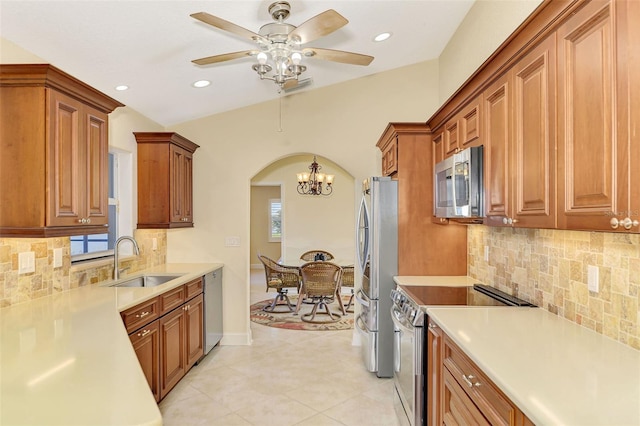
[[369, 346], [368, 310]]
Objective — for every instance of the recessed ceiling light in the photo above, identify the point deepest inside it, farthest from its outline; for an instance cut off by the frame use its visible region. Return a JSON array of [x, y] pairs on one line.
[[382, 37], [201, 83], [121, 87]]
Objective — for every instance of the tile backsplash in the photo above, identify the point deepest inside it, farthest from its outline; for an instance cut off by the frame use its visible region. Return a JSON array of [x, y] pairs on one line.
[[550, 269], [46, 280]]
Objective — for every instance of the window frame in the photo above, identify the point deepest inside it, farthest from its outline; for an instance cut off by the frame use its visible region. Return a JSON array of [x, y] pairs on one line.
[[270, 213]]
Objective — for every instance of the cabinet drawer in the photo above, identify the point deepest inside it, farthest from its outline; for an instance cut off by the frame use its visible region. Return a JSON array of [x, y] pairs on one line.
[[141, 314], [458, 408], [172, 299], [193, 288], [493, 404]]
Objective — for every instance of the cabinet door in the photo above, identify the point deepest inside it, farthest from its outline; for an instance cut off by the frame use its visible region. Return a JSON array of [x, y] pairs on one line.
[[452, 137], [96, 171], [187, 188], [434, 375], [194, 330], [534, 163], [177, 175], [438, 149], [146, 344], [471, 124], [497, 136], [65, 202], [390, 158], [173, 362], [592, 167]]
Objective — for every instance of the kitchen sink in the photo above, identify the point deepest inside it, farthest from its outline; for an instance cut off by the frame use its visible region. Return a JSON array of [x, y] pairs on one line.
[[147, 280]]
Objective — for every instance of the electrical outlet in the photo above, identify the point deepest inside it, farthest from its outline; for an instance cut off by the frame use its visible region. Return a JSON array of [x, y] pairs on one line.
[[232, 241], [486, 253], [57, 257], [593, 280], [26, 262]]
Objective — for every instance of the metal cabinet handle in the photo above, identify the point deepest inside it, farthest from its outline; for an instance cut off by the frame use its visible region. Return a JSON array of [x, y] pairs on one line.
[[628, 223], [88, 220], [432, 325], [143, 314], [467, 380], [144, 333], [614, 223]]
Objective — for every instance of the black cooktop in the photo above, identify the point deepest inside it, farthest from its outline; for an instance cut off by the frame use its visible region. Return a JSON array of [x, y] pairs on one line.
[[478, 295]]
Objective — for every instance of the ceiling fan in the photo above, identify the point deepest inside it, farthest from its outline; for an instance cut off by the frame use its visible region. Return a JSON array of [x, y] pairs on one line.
[[279, 44]]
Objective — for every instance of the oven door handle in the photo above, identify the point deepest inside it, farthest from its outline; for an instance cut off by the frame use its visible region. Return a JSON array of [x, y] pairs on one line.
[[398, 321], [361, 298]]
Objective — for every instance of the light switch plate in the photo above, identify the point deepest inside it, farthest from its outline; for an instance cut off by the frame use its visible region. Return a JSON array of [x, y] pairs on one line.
[[57, 257], [486, 253], [26, 262], [232, 241], [154, 244]]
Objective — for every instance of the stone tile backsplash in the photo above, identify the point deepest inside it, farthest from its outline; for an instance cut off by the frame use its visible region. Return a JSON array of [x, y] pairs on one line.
[[46, 280], [550, 268]]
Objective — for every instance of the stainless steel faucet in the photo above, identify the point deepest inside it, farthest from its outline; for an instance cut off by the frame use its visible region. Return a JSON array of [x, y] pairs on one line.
[[116, 271]]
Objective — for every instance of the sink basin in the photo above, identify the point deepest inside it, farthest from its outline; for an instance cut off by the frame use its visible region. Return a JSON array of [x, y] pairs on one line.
[[147, 280]]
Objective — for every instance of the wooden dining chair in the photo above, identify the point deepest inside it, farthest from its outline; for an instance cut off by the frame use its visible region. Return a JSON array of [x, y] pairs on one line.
[[316, 255], [280, 278], [321, 283], [348, 282]]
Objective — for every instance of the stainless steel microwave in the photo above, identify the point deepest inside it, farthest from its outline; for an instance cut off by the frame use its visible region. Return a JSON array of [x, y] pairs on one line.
[[458, 185]]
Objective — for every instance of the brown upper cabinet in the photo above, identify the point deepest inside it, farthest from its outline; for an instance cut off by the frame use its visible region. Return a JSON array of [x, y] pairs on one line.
[[54, 162], [165, 180], [520, 142], [598, 54], [464, 130], [412, 148], [558, 119]]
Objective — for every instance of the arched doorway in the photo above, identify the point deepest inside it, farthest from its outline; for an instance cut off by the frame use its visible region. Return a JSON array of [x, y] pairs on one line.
[[307, 221]]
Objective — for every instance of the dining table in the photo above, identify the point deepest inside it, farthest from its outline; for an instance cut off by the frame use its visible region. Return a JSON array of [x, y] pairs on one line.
[[297, 263]]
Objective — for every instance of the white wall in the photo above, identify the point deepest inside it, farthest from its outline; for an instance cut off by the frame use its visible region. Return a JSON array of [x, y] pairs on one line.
[[310, 221]]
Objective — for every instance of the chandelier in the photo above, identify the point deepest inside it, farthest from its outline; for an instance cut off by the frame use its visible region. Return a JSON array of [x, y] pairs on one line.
[[312, 183]]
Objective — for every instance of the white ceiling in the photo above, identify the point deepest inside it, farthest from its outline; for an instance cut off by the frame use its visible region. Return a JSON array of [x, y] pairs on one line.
[[148, 45]]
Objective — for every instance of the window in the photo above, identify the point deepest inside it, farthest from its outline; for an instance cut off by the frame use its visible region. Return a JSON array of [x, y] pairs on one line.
[[275, 220], [84, 247]]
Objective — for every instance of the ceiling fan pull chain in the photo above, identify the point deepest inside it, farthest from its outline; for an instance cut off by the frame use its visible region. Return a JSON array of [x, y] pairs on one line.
[[280, 114]]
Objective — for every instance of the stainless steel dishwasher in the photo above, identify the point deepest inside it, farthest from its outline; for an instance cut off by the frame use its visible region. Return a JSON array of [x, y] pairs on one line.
[[212, 309]]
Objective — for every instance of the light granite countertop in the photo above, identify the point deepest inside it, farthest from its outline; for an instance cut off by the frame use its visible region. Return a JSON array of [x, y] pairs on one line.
[[555, 371], [66, 359], [437, 281]]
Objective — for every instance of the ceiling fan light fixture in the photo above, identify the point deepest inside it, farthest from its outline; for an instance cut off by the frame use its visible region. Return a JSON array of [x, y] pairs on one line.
[[382, 37]]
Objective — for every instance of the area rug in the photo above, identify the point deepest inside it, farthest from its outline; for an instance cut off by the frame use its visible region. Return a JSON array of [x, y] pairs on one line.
[[293, 322]]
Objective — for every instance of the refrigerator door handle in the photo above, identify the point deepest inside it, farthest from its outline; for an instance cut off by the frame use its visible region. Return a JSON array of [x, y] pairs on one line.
[[364, 300], [361, 326]]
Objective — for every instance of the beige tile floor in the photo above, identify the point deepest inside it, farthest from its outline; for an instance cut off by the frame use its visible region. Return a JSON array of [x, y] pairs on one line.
[[287, 377]]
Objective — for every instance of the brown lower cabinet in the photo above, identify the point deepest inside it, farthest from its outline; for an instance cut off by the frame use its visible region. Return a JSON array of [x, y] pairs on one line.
[[167, 347], [459, 393]]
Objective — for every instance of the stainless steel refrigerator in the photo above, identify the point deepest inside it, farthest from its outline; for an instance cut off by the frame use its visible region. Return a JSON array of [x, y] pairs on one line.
[[377, 246]]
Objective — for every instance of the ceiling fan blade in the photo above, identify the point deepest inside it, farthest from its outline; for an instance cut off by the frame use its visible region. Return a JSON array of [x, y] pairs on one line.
[[228, 26], [338, 56], [318, 26], [224, 57]]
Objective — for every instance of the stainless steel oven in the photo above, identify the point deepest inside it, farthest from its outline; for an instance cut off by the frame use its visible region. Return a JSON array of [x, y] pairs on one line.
[[409, 349]]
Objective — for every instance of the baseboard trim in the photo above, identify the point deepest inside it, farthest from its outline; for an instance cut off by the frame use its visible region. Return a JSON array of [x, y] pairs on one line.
[[236, 339]]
